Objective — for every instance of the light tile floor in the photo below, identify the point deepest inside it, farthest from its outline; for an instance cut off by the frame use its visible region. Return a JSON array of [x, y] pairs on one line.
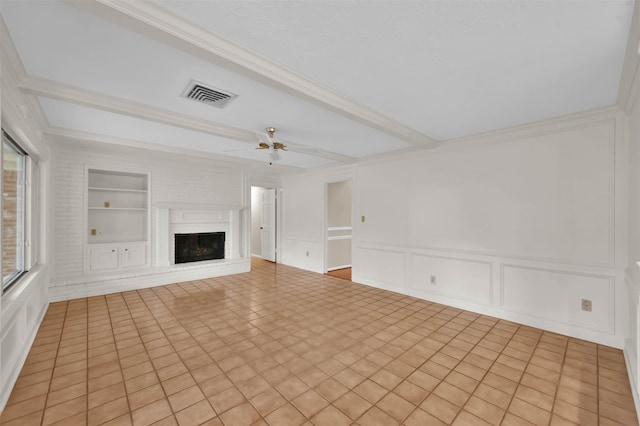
[[282, 346]]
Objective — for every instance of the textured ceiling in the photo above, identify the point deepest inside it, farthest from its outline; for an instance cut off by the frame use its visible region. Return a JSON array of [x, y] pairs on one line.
[[443, 68], [446, 68]]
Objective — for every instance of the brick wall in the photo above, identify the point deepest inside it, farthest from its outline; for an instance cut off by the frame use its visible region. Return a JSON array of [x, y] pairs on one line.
[[173, 179], [9, 221]]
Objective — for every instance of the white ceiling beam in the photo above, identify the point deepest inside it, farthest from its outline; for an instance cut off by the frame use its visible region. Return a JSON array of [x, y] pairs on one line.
[[160, 24], [81, 136], [629, 80], [65, 92]]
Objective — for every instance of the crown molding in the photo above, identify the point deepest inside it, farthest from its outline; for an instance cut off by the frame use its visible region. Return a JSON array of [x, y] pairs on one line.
[[162, 25], [540, 127], [630, 78], [561, 123]]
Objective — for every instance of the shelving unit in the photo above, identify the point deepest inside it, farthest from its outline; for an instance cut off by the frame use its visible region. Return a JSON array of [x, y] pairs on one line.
[[117, 220]]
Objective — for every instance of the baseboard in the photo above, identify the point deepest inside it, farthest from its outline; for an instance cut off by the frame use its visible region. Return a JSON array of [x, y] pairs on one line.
[[335, 268], [632, 382]]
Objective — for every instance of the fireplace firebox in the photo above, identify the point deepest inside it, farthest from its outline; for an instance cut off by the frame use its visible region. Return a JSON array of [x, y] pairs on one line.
[[200, 246]]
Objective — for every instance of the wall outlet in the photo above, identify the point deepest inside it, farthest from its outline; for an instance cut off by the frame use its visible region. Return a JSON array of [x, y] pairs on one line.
[[432, 279], [586, 305]]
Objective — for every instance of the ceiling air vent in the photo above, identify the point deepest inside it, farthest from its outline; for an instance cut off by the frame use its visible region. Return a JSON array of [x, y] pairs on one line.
[[208, 95]]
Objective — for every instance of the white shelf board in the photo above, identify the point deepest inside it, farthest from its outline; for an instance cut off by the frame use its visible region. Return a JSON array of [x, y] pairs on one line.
[[93, 188], [119, 208]]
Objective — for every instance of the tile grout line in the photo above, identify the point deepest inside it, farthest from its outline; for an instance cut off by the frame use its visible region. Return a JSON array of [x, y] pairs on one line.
[[488, 369], [555, 396], [53, 369], [115, 342]]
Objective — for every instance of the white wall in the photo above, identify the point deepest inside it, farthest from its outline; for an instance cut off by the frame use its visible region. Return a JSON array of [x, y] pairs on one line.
[[256, 220], [303, 217], [520, 224], [174, 180], [632, 344], [23, 306]]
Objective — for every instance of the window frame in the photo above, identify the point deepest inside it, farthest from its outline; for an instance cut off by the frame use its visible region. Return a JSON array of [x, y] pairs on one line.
[[25, 214]]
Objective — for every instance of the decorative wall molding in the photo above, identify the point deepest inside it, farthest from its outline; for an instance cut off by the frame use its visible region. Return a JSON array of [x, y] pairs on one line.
[[370, 244], [610, 309], [488, 301]]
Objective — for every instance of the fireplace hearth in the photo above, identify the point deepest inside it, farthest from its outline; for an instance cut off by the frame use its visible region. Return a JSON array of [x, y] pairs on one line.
[[197, 247]]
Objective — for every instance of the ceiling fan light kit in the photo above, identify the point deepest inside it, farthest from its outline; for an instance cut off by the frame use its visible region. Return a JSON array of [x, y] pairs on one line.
[[266, 142]]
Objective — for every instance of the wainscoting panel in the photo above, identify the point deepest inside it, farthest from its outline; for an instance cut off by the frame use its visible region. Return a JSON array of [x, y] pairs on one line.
[[380, 267], [305, 253], [467, 280], [632, 343], [557, 296], [23, 308]]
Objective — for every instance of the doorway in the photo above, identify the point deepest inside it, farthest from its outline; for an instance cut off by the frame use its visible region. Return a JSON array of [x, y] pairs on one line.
[[263, 223], [338, 232]]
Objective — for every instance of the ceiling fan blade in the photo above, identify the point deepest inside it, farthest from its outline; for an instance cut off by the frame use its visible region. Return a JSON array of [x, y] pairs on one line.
[[302, 149], [264, 138]]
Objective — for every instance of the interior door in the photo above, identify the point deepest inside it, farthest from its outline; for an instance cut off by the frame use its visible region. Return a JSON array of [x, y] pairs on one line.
[[268, 225]]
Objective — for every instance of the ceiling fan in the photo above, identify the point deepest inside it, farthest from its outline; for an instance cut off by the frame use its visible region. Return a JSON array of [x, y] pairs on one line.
[[267, 141]]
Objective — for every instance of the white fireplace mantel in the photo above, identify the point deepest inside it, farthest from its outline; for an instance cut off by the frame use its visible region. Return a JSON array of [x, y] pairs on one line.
[[172, 218], [197, 206]]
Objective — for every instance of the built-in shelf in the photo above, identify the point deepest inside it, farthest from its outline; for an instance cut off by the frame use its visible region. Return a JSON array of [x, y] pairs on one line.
[[117, 220], [95, 188], [119, 208], [111, 241]]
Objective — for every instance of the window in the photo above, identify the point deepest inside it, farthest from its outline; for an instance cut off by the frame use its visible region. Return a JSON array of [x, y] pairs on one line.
[[14, 163]]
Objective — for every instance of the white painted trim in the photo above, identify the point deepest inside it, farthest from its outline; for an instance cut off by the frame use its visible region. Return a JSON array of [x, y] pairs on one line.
[[68, 93], [524, 319], [611, 308], [632, 382], [12, 377], [335, 268], [339, 237], [167, 27], [197, 206], [367, 244], [77, 135], [410, 255], [589, 118], [339, 228], [65, 92], [629, 79]]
